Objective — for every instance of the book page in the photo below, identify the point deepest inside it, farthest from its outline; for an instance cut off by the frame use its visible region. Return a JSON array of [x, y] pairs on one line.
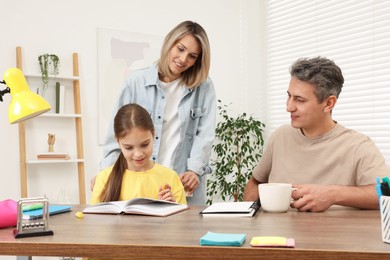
[[227, 207], [113, 207], [155, 208], [140, 201]]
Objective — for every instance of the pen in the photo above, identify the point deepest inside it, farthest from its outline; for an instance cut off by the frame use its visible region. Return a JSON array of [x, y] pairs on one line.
[[385, 186], [32, 207], [255, 205], [386, 179], [378, 187], [385, 189]]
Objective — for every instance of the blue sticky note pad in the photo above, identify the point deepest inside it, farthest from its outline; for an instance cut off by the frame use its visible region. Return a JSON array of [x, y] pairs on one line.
[[38, 213], [222, 239]]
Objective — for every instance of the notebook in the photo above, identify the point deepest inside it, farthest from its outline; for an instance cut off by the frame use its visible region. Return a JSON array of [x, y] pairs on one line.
[[231, 209], [38, 213]]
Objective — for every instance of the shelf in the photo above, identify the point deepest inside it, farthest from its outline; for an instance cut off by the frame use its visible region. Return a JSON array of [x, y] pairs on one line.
[[72, 87], [60, 115], [34, 161], [58, 77]]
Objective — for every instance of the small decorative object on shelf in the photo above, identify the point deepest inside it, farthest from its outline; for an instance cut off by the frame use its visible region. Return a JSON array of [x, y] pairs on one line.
[[51, 155], [49, 64], [28, 228], [51, 140]]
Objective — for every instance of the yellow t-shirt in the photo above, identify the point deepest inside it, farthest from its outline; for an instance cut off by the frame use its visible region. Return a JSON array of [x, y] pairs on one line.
[[142, 184]]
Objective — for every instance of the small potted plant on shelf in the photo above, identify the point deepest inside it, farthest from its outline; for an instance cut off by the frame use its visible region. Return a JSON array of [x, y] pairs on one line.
[[49, 65], [237, 149]]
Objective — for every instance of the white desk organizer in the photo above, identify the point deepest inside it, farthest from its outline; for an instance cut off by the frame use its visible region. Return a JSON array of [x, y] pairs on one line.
[[385, 218]]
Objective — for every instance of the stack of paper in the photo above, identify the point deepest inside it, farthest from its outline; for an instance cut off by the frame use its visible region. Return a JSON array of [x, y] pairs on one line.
[[222, 239]]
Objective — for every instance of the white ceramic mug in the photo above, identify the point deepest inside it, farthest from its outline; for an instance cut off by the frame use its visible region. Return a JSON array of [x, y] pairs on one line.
[[275, 197]]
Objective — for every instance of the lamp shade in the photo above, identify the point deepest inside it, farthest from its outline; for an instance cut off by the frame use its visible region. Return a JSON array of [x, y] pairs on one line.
[[24, 104]]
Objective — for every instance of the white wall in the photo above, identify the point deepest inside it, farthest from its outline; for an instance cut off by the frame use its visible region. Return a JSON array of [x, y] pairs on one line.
[[64, 27]]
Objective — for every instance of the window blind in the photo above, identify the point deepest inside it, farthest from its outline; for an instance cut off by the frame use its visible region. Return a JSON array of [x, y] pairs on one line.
[[356, 35]]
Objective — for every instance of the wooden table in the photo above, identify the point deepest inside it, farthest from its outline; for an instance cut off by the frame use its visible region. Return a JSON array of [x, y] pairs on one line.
[[338, 233]]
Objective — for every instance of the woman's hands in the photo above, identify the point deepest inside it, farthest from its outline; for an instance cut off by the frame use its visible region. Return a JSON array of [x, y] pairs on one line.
[[164, 193], [190, 181]]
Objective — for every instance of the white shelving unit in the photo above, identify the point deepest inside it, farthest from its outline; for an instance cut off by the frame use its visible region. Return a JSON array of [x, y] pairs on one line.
[[74, 118]]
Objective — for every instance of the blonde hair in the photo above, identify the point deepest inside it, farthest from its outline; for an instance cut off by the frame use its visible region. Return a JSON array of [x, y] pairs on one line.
[[199, 72]]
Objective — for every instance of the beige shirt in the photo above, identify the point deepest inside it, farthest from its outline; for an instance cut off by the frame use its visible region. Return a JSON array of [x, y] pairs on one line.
[[339, 157]]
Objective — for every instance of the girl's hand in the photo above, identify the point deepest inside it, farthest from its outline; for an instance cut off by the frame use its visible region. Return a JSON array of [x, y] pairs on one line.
[[164, 193]]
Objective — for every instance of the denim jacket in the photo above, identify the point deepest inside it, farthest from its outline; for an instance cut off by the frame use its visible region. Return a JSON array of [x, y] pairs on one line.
[[197, 114]]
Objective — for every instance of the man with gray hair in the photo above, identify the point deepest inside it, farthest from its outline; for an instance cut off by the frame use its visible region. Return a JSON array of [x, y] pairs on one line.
[[327, 163]]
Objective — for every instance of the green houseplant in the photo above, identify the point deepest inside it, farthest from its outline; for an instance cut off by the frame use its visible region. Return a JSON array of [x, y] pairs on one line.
[[49, 64], [237, 148]]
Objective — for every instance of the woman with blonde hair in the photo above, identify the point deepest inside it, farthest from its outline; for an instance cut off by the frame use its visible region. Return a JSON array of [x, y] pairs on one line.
[[180, 97]]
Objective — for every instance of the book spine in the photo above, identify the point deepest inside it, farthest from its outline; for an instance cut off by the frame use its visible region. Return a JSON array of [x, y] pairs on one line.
[[60, 98], [57, 97]]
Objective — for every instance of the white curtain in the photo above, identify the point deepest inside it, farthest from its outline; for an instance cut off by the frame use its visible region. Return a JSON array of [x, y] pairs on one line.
[[356, 35]]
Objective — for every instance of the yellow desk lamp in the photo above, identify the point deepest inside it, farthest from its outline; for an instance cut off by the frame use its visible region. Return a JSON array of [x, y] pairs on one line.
[[25, 104]]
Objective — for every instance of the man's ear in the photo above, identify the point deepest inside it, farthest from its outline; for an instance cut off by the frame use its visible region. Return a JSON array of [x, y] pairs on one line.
[[330, 103]]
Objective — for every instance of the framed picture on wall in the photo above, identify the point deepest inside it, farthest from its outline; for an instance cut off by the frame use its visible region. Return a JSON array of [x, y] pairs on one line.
[[119, 54]]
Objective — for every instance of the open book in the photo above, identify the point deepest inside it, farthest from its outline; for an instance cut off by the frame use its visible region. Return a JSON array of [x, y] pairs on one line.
[[231, 209], [139, 206]]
